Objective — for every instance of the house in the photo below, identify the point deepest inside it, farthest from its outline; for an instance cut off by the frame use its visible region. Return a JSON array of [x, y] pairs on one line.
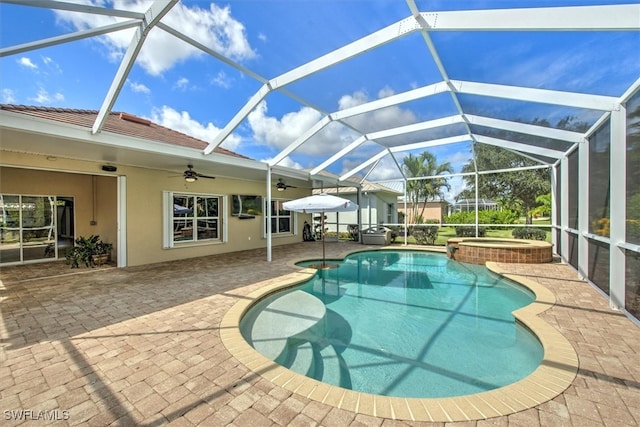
[[469, 205], [378, 205], [434, 210], [145, 188]]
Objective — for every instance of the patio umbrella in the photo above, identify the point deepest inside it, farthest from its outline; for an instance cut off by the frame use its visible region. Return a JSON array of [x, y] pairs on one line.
[[320, 203], [181, 210]]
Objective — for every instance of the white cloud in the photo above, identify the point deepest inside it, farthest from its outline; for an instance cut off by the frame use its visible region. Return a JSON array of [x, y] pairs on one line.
[[286, 162], [182, 122], [352, 100], [8, 96], [182, 83], [138, 87], [214, 27], [385, 91], [44, 97], [50, 66], [222, 80], [457, 184], [458, 159], [277, 133], [26, 62], [384, 118]]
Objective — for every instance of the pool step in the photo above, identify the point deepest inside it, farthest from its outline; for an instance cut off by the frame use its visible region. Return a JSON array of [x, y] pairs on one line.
[[315, 361], [287, 330], [302, 361], [290, 315], [331, 369]]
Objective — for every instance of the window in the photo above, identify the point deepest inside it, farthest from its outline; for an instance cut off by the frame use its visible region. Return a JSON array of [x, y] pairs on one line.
[[193, 218], [281, 219], [390, 209], [27, 228]]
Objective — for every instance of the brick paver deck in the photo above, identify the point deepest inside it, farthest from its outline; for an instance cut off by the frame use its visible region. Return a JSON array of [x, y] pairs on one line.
[[141, 346]]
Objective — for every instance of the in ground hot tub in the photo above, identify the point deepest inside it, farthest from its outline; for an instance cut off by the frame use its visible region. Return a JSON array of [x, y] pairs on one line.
[[478, 250]]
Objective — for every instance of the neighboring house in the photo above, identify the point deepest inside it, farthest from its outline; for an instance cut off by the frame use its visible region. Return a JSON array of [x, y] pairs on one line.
[[378, 205], [433, 211], [128, 185], [469, 205]]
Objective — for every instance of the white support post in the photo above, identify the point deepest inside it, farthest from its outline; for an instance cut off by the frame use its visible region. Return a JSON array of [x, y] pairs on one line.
[[122, 221], [406, 213], [583, 209], [268, 211], [554, 209], [618, 215], [564, 207], [477, 213]]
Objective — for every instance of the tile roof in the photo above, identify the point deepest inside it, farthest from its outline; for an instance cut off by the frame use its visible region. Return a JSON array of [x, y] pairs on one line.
[[119, 123]]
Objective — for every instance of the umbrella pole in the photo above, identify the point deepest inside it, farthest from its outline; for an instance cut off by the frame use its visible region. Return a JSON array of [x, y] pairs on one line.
[[322, 234]]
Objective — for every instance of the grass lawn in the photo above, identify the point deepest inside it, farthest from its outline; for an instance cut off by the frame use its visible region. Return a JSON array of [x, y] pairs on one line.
[[445, 233]]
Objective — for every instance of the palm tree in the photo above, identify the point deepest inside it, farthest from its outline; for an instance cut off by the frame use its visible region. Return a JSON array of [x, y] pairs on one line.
[[423, 190]]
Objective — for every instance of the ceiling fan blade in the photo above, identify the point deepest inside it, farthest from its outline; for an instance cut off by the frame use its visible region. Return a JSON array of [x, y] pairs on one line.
[[205, 176]]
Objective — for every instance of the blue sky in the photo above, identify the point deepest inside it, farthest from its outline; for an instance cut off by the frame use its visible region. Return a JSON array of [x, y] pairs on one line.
[[184, 89]]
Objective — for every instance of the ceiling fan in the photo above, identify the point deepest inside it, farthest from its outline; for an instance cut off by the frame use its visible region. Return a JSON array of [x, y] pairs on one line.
[[191, 176], [281, 186]]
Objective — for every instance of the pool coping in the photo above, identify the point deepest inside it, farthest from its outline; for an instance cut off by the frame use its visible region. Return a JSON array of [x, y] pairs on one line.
[[555, 374]]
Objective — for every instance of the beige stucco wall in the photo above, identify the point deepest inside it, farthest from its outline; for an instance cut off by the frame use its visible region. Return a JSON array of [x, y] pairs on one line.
[[144, 216], [432, 211], [144, 192], [81, 187]]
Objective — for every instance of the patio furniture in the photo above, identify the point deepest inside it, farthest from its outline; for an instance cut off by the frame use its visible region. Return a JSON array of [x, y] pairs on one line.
[[376, 236]]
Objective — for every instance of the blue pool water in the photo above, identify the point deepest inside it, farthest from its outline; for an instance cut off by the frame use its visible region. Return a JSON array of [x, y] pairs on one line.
[[399, 323]]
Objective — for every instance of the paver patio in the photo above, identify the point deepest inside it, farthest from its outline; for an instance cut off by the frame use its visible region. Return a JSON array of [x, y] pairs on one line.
[[141, 346]]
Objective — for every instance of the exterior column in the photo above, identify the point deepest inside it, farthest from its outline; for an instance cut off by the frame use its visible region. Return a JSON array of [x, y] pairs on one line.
[[618, 191], [554, 209], [583, 209], [564, 207]]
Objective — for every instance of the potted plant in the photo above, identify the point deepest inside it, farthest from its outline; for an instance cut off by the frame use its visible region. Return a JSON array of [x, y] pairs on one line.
[[90, 251]]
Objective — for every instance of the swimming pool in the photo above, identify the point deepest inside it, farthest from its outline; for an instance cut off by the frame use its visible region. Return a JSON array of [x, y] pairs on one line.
[[399, 323]]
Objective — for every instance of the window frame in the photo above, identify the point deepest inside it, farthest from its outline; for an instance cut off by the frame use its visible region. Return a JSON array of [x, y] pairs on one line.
[[169, 220], [275, 216]]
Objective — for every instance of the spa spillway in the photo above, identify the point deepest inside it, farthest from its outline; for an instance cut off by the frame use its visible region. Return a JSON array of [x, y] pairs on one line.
[[478, 250]]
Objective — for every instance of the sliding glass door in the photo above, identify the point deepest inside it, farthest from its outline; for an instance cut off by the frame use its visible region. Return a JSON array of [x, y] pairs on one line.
[[28, 228]]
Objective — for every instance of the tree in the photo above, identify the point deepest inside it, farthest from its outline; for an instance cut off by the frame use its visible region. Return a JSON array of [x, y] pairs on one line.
[[420, 191], [544, 205], [517, 190]]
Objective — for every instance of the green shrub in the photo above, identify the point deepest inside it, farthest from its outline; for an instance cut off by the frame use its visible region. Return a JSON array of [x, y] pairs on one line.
[[464, 231], [461, 218], [425, 235], [504, 216], [529, 233]]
